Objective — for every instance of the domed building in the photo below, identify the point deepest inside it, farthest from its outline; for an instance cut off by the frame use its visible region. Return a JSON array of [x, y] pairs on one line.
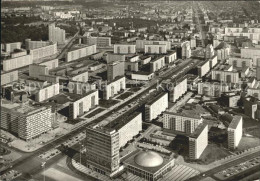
[[148, 164]]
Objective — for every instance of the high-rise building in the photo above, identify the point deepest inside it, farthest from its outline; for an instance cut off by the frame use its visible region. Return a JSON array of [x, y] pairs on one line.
[[80, 51], [140, 44], [198, 141], [29, 44], [180, 122], [212, 89], [102, 150], [156, 106], [83, 104], [10, 47], [24, 120], [124, 49], [185, 50], [252, 107], [56, 34], [157, 63], [155, 49], [99, 41], [235, 132], [115, 69], [112, 88], [9, 77]]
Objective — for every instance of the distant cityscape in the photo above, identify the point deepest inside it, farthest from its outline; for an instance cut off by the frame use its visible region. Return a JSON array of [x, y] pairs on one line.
[[130, 90]]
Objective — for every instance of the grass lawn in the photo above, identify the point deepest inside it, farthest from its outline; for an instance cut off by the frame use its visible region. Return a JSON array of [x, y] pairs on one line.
[[213, 153], [125, 95], [99, 110], [248, 142], [108, 103]]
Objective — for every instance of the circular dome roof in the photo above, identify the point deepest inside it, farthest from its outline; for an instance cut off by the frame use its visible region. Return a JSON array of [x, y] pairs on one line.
[[148, 159]]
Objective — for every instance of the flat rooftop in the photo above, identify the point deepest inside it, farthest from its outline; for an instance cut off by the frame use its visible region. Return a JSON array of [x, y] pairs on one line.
[[156, 98], [198, 130], [78, 46], [235, 121], [121, 121]]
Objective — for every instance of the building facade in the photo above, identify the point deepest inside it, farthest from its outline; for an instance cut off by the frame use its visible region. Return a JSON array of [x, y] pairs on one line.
[[84, 104], [115, 69], [155, 49], [56, 34], [156, 106], [235, 132], [112, 88], [212, 89], [157, 63], [81, 52], [45, 51], [47, 92], [9, 77], [124, 49]]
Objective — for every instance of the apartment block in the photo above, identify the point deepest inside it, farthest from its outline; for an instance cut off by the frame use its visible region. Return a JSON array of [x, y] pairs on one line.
[[30, 45], [209, 51], [240, 62], [145, 76], [157, 63], [252, 53], [10, 47], [45, 51], [185, 50], [80, 76], [56, 34], [224, 75], [155, 49], [170, 57], [112, 88], [19, 53], [25, 121], [102, 150], [124, 49], [18, 62], [180, 122], [212, 89], [83, 104], [115, 57], [235, 132], [204, 68], [156, 106], [140, 44], [99, 41], [127, 126], [47, 92], [213, 61], [252, 107], [36, 70], [115, 69], [80, 52], [9, 77], [198, 141]]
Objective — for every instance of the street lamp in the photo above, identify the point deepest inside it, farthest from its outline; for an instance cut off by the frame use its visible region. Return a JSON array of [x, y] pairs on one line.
[[43, 165]]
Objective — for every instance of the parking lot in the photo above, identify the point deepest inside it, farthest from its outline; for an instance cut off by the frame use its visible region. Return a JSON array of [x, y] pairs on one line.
[[238, 168]]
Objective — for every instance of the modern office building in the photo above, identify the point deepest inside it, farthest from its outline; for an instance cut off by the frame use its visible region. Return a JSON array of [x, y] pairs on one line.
[[235, 132], [157, 63], [181, 122], [83, 104], [9, 77], [56, 34], [102, 150], [43, 52], [25, 121], [155, 49], [80, 51], [140, 44], [47, 92], [99, 41], [30, 45], [185, 50], [115, 69], [124, 49], [112, 88], [149, 165], [212, 89], [198, 141], [18, 62], [156, 106]]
